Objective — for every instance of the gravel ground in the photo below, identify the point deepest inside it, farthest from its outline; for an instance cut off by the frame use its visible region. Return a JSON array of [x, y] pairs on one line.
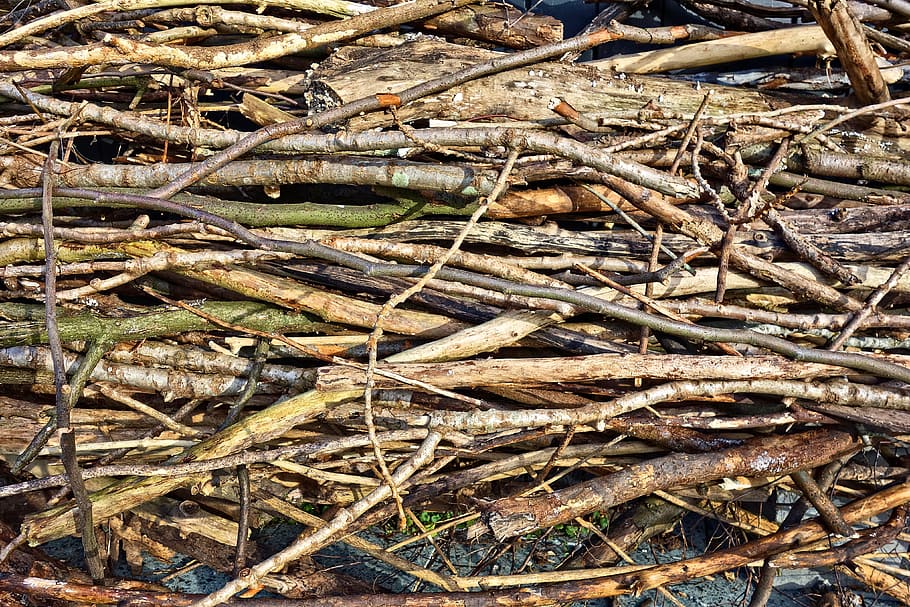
[[793, 588]]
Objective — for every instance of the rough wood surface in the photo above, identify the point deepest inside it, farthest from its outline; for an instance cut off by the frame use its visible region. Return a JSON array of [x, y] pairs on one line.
[[515, 95]]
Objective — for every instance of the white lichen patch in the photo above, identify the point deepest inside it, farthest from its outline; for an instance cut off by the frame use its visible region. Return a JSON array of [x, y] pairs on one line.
[[765, 463]]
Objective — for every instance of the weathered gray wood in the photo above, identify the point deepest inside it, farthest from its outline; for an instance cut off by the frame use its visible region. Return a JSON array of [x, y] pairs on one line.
[[521, 94], [500, 23], [875, 246], [542, 371]]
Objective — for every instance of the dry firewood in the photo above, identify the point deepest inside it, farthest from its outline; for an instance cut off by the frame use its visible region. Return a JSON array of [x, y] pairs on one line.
[[168, 382], [742, 16], [121, 50], [452, 179], [623, 582], [521, 94], [531, 372], [28, 561], [833, 164], [710, 235], [773, 455], [260, 427], [868, 541], [549, 239], [844, 31], [329, 218], [803, 39], [53, 591], [499, 23], [647, 518]]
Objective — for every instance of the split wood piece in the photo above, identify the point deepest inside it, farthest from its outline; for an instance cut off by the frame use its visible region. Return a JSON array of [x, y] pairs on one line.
[[845, 32], [521, 94], [731, 48], [513, 516], [598, 367], [190, 518], [119, 50], [331, 307], [504, 330], [502, 24], [805, 39], [124, 495], [556, 200], [262, 113], [187, 529]]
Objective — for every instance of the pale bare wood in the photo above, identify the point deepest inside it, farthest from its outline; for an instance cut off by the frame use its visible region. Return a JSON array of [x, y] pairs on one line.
[[262, 113], [556, 200], [540, 371], [845, 33], [502, 331], [794, 40], [119, 50], [520, 94]]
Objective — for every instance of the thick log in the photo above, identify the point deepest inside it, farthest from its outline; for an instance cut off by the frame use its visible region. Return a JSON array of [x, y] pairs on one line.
[[521, 94], [773, 455]]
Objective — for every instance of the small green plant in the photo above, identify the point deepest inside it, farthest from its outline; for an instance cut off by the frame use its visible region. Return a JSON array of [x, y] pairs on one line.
[[429, 519]]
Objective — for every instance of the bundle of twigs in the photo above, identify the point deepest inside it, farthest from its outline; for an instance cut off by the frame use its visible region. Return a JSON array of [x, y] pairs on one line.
[[279, 257]]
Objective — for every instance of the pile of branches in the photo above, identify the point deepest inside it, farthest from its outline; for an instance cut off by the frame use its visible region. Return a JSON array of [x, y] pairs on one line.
[[301, 257]]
